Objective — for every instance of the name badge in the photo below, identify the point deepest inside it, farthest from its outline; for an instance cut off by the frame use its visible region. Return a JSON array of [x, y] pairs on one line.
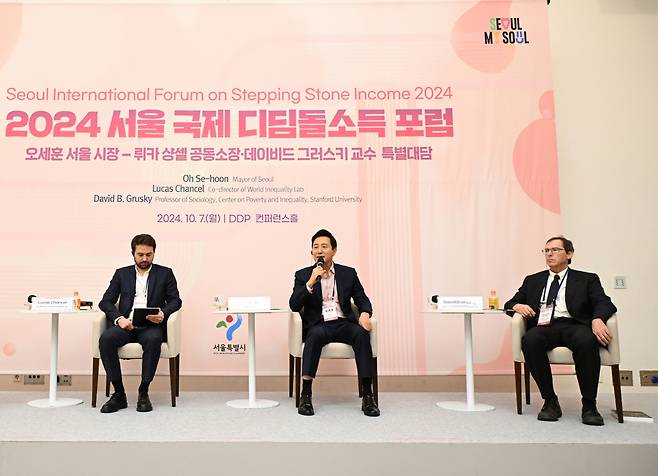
[[329, 312], [545, 315]]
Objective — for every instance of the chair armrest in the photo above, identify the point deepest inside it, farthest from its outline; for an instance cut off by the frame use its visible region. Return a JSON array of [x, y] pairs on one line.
[[174, 333], [613, 346], [98, 326], [295, 334], [518, 330]]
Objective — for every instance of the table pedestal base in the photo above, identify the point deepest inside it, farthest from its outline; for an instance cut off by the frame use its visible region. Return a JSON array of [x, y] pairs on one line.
[[59, 402], [464, 407], [258, 403]]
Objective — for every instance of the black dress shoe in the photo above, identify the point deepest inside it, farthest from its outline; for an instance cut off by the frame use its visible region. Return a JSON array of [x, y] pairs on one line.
[[143, 403], [368, 406], [305, 406], [116, 402], [551, 410], [591, 416]]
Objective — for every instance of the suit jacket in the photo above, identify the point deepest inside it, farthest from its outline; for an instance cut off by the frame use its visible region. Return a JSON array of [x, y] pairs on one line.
[[309, 305], [162, 293], [584, 294]]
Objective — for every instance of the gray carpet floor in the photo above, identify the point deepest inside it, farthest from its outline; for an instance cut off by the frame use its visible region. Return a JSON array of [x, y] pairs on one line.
[[406, 418]]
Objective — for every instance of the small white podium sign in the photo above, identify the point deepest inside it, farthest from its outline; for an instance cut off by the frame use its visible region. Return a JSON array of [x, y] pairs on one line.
[[250, 304], [462, 303], [53, 304]]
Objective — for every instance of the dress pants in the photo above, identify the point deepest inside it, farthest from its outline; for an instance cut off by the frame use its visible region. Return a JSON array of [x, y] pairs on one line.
[[563, 332], [339, 330], [114, 337]]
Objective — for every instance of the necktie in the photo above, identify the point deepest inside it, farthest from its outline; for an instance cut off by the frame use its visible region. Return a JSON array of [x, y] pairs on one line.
[[552, 292]]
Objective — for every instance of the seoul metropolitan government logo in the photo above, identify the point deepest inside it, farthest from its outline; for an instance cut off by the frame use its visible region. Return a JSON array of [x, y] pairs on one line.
[[231, 324]]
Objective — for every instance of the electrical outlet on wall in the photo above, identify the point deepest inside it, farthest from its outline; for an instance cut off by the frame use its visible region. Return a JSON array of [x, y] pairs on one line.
[[620, 282], [648, 378], [33, 379], [626, 377]]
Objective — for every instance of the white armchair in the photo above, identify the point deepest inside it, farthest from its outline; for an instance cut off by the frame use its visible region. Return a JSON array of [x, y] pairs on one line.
[[334, 350], [562, 355], [170, 350]]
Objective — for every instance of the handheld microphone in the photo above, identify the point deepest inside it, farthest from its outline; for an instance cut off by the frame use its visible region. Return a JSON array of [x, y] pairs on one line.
[[30, 297], [320, 263]]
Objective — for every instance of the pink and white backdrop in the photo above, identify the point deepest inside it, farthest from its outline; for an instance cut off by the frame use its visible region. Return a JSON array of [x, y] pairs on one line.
[[449, 179]]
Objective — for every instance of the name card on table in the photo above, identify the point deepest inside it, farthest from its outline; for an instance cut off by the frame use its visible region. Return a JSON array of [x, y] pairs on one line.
[[458, 303], [249, 304], [53, 304]]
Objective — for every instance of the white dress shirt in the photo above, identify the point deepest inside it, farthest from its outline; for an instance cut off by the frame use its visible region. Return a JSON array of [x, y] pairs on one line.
[[329, 289], [560, 300], [141, 291]]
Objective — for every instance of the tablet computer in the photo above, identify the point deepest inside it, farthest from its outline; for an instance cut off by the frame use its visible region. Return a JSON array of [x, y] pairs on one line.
[[140, 313]]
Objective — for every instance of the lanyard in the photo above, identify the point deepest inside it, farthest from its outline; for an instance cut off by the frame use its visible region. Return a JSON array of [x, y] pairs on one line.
[[559, 285]]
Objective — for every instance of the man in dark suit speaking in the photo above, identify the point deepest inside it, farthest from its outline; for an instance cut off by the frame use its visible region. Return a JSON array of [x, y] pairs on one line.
[[564, 307], [141, 285], [322, 294]]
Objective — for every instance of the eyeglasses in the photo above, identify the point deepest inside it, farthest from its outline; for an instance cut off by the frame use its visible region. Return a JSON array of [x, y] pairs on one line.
[[546, 251]]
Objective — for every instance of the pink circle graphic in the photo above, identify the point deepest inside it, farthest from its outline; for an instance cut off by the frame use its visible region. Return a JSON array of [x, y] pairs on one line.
[[535, 157], [10, 29], [9, 349]]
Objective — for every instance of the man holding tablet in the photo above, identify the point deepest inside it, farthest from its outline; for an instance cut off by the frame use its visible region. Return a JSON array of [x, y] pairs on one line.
[[147, 295]]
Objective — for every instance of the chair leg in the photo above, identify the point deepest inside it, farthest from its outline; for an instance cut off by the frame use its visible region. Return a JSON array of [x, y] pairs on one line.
[[291, 373], [298, 378], [107, 385], [178, 375], [375, 382], [616, 385], [172, 379], [517, 381], [94, 380], [526, 376]]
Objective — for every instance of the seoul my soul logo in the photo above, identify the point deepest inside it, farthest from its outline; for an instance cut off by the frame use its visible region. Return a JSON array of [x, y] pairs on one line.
[[506, 31], [231, 324]]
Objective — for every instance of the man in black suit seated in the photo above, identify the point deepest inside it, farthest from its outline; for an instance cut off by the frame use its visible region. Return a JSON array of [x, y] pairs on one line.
[[322, 293], [564, 307], [143, 284]]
